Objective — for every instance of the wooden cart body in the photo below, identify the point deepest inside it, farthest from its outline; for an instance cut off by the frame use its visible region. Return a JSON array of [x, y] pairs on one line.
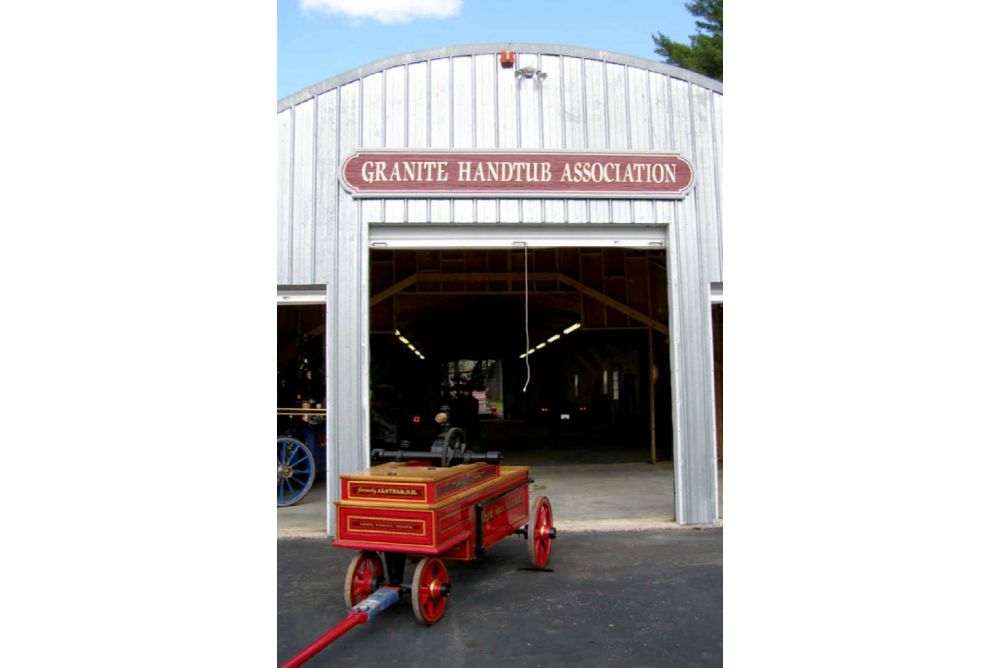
[[414, 508]]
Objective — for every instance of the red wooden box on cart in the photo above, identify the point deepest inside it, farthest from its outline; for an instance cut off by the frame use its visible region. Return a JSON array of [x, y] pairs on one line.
[[417, 510]]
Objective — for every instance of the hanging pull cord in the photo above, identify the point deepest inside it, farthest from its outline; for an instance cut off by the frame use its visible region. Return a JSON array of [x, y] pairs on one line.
[[527, 340]]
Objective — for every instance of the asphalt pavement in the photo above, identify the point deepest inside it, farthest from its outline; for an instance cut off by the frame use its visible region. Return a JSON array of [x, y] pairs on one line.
[[643, 598]]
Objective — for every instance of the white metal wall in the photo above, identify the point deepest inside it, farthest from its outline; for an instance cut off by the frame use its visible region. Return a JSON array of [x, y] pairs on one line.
[[460, 97]]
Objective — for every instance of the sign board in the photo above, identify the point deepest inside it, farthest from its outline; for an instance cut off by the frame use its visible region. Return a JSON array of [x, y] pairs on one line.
[[521, 174]]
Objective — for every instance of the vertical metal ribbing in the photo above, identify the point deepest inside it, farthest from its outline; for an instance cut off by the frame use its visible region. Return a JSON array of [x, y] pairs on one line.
[[649, 107], [406, 108], [517, 133], [361, 113], [695, 189], [472, 63], [363, 380], [451, 102], [332, 305], [541, 119], [451, 125], [385, 124], [586, 128], [708, 362], [336, 210], [628, 136], [430, 137], [496, 121], [607, 126], [562, 120], [628, 110], [475, 136], [675, 360], [315, 143], [291, 200], [717, 177], [358, 222], [674, 204], [607, 116], [406, 130]]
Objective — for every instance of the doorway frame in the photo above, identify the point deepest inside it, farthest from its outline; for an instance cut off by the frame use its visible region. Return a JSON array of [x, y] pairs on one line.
[[688, 319]]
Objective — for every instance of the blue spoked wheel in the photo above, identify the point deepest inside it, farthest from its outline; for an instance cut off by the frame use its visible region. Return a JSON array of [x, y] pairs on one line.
[[296, 470]]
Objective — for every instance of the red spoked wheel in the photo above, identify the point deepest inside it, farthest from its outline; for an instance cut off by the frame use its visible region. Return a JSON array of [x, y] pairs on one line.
[[540, 532], [364, 575], [429, 594]]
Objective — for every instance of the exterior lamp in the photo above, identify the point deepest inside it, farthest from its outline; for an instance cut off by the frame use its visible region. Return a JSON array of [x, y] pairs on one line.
[[527, 72]]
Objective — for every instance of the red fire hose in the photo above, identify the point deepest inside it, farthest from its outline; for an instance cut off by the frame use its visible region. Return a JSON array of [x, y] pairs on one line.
[[359, 614]]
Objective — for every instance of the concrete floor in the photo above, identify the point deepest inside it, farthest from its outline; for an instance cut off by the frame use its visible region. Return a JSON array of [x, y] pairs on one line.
[[584, 497]]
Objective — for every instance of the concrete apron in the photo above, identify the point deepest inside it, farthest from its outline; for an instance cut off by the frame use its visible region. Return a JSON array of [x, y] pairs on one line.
[[584, 497]]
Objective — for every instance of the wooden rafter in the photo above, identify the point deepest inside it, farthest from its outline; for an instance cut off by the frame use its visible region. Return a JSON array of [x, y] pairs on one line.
[[613, 303], [519, 276]]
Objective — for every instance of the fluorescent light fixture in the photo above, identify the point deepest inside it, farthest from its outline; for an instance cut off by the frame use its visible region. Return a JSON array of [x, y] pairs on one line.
[[571, 328], [553, 338], [530, 351], [522, 356], [404, 339], [410, 346], [540, 346], [397, 333]]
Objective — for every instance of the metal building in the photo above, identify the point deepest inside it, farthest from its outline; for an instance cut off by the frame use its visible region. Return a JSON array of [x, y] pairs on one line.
[[465, 99]]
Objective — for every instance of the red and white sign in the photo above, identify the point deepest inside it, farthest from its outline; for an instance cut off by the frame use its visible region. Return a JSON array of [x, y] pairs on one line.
[[522, 174]]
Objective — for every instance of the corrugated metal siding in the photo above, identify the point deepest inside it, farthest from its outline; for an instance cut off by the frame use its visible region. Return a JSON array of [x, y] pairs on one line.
[[466, 100], [284, 271], [460, 97]]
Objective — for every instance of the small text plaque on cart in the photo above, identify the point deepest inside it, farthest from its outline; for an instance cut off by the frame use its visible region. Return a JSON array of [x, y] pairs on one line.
[[521, 174]]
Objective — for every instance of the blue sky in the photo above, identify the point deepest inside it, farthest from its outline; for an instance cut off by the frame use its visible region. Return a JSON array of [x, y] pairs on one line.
[[315, 43]]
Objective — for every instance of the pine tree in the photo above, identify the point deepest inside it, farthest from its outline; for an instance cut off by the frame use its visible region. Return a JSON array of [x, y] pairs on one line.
[[704, 54]]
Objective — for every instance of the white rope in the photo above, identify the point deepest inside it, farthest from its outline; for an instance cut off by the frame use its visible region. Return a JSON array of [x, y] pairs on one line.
[[527, 340]]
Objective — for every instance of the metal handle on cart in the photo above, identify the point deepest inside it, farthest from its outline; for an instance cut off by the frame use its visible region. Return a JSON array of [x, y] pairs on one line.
[[379, 455]]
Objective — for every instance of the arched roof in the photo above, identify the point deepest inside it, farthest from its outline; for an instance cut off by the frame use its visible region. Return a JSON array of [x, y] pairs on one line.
[[478, 49]]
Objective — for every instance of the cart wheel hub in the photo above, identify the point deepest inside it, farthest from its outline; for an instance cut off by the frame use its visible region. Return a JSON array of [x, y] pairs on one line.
[[284, 471], [437, 589]]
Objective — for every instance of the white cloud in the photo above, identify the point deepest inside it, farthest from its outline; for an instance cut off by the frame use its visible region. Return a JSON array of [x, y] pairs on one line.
[[387, 11]]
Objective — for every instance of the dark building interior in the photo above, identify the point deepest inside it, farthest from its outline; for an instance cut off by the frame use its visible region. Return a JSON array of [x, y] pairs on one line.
[[447, 327]]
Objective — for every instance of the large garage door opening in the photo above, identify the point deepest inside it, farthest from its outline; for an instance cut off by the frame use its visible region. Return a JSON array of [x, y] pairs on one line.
[[578, 376]]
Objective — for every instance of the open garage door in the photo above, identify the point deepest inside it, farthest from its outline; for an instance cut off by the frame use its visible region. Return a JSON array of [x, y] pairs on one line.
[[350, 339], [597, 408], [553, 362]]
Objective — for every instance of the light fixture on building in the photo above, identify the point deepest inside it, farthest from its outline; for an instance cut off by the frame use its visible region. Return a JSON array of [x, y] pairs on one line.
[[528, 72], [507, 58]]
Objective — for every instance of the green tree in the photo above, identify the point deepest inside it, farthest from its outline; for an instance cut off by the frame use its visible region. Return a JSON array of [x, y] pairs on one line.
[[704, 54]]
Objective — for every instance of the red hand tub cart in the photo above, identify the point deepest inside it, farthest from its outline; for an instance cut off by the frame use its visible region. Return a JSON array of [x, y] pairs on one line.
[[426, 507]]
